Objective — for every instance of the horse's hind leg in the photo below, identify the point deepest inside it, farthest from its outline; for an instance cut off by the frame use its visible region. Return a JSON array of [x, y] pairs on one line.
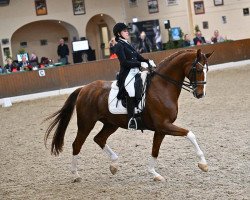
[[101, 139], [82, 133]]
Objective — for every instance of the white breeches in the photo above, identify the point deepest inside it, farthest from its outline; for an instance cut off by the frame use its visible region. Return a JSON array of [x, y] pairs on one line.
[[130, 82]]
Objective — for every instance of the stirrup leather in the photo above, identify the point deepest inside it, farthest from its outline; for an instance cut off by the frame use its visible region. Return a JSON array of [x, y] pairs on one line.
[[132, 126]]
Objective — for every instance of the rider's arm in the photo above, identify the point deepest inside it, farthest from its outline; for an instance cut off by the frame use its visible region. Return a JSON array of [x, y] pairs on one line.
[[141, 59]]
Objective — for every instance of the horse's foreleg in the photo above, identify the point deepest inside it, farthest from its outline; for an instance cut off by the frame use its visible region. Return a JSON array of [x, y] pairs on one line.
[[158, 138], [203, 163], [101, 139]]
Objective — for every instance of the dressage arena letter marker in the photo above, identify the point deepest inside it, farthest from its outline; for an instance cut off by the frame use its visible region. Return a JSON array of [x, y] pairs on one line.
[[6, 102], [41, 73]]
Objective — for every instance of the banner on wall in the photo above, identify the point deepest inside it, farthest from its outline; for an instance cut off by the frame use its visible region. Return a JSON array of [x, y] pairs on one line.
[[152, 30]]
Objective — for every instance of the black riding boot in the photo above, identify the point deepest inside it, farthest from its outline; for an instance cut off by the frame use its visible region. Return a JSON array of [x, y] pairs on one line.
[[132, 124]]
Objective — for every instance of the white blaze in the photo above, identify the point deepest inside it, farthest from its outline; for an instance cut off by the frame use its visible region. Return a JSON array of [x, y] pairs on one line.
[[205, 79]]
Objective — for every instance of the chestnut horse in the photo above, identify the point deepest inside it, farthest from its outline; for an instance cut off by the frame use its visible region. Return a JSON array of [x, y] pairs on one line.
[[160, 110]]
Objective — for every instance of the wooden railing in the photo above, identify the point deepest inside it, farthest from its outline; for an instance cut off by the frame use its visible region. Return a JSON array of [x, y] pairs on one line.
[[55, 78]]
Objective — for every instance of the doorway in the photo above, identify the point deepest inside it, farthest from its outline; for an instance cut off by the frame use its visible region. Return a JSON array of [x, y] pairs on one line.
[[104, 34], [98, 33]]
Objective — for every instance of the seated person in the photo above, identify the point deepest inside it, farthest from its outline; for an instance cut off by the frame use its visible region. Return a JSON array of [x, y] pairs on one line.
[[186, 42], [24, 64], [33, 60], [44, 62], [217, 37], [9, 67], [199, 39]]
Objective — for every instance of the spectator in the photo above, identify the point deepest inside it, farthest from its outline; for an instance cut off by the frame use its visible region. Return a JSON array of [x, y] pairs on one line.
[[15, 66], [33, 60], [9, 67], [158, 39], [24, 64], [199, 39], [63, 52], [145, 45], [112, 44], [217, 37], [44, 62], [186, 42], [1, 70]]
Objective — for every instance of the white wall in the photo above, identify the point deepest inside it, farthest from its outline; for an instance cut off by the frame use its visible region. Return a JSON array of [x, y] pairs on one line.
[[237, 26], [22, 12], [51, 31]]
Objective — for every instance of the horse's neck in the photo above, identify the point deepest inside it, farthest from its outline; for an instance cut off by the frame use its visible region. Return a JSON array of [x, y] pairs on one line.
[[165, 88], [174, 70]]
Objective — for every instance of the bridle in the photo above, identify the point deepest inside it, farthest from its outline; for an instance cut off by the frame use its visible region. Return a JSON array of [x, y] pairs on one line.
[[192, 74], [190, 85]]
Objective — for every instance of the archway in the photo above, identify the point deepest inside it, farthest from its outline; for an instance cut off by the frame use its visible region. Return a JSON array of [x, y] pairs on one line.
[[41, 38], [99, 32]]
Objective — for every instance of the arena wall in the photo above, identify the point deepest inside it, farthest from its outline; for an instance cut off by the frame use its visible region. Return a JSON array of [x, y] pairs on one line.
[[56, 78]]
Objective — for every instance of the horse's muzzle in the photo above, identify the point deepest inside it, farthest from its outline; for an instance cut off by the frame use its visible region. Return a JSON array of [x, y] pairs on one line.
[[200, 95]]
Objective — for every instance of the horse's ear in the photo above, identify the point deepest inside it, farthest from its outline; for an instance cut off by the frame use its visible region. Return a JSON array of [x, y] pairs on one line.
[[198, 53], [209, 54]]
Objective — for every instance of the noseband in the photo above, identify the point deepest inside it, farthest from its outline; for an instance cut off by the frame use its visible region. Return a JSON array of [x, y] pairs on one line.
[[188, 86]]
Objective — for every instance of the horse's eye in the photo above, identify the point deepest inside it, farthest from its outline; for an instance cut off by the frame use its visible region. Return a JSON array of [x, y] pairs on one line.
[[199, 70]]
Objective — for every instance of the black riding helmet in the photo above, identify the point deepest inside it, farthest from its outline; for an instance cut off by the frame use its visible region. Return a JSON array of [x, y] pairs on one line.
[[118, 28]]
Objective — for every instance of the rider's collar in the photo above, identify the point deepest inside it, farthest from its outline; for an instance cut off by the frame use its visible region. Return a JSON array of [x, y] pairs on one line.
[[123, 40]]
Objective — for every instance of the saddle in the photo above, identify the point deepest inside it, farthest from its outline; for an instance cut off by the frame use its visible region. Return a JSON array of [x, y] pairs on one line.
[[118, 106]]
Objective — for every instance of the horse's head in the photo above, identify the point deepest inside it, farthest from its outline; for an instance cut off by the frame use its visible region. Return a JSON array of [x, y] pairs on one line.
[[197, 75]]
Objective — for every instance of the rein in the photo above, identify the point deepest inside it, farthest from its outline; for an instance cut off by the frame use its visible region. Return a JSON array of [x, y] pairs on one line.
[[188, 86], [184, 85]]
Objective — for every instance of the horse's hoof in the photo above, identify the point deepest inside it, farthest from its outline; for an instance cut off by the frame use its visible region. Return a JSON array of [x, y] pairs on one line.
[[77, 180], [159, 178], [113, 168], [203, 167]]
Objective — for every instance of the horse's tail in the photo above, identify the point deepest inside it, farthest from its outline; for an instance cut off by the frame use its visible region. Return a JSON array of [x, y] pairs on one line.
[[62, 118]]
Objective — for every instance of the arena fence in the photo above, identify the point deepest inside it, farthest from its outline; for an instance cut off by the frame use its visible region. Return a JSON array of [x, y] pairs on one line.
[[61, 77]]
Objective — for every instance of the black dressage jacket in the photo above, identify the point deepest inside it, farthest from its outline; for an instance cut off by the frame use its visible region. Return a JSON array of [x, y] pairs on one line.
[[129, 58]]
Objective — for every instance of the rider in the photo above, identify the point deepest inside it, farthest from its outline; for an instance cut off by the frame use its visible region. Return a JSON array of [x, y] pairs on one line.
[[131, 62]]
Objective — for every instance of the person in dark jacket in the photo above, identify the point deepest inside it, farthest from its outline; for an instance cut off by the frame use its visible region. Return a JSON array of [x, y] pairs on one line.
[[199, 39], [186, 41], [63, 51], [131, 63], [145, 46], [9, 67]]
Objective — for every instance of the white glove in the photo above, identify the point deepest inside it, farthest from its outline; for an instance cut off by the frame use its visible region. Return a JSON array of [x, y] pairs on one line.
[[144, 65], [152, 63]]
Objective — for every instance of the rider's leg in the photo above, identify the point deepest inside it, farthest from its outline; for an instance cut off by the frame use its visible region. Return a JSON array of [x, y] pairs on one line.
[[130, 88]]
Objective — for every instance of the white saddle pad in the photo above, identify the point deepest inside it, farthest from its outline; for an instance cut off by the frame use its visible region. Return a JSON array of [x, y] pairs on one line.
[[115, 106]]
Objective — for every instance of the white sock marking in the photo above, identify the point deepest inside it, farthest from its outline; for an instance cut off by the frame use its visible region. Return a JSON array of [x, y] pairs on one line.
[[151, 167], [200, 154], [74, 166], [110, 153]]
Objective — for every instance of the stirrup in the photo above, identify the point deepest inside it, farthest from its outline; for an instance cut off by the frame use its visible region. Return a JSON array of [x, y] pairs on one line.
[[132, 124]]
